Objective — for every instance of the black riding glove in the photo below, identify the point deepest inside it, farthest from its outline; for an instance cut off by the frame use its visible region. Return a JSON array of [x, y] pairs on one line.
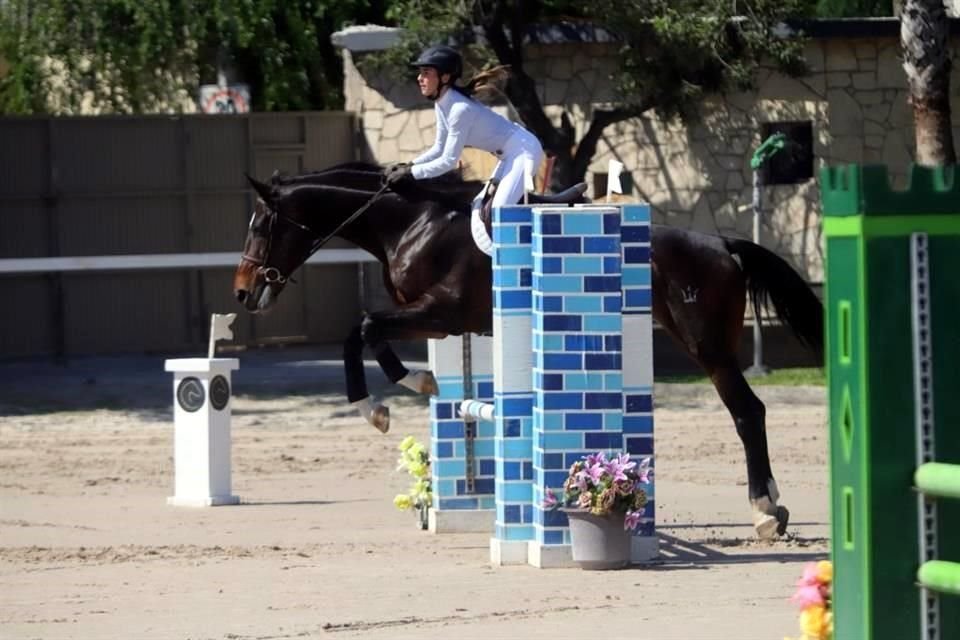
[[398, 173]]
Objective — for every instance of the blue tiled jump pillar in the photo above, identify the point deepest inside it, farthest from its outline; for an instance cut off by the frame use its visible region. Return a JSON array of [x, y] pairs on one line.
[[571, 288]]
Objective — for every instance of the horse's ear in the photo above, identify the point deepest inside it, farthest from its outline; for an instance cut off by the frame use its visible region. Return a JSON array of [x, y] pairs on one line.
[[263, 190]]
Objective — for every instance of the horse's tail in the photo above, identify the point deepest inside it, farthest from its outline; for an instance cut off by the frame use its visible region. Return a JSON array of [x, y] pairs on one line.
[[770, 280]]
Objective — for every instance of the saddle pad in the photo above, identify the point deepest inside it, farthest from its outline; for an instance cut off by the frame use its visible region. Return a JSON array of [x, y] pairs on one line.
[[480, 235]]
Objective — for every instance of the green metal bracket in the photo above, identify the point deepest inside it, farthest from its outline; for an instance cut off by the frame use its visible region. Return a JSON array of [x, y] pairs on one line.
[[767, 149]]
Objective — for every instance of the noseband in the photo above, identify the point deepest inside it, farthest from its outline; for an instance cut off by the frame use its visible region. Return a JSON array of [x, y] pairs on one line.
[[273, 274]]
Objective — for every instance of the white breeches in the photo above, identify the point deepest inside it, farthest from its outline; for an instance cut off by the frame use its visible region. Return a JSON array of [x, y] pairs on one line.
[[522, 150]]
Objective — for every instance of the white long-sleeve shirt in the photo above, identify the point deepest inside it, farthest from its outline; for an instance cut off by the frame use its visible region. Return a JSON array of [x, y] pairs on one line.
[[461, 122]]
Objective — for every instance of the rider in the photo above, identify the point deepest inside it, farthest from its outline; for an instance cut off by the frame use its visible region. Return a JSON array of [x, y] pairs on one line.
[[464, 122]]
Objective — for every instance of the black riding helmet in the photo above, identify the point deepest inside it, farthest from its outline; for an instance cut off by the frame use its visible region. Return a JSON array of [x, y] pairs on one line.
[[442, 58]]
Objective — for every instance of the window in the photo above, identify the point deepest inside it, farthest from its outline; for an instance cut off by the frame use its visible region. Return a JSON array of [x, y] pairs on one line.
[[793, 163]]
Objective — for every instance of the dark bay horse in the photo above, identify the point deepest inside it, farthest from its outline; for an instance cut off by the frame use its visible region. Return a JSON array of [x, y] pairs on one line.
[[441, 283]]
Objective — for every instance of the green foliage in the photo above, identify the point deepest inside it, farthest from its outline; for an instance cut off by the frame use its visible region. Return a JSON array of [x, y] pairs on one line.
[[130, 56], [673, 53], [22, 87], [854, 8], [676, 53], [424, 23]]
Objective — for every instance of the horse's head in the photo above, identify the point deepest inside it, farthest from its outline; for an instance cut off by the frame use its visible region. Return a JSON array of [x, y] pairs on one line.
[[294, 215], [278, 242]]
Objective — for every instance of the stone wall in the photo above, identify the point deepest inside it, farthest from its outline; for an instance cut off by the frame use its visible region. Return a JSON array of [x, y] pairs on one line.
[[695, 176]]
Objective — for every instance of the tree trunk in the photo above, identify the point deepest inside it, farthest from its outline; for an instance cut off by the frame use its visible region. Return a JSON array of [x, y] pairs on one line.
[[924, 34]]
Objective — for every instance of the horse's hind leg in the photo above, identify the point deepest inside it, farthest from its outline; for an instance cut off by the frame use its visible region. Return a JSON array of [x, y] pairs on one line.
[[709, 326], [749, 416]]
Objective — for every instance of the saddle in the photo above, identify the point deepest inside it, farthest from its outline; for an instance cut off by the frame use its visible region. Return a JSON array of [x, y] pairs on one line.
[[481, 226], [570, 195]]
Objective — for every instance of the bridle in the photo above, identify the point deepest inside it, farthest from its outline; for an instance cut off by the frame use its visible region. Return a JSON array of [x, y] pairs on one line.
[[273, 274]]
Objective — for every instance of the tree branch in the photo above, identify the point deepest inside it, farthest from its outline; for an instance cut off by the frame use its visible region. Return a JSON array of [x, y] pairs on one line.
[[521, 89], [517, 28], [493, 30], [601, 120]]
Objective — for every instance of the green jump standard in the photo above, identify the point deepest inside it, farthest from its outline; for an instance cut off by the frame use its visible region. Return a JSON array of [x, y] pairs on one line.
[[875, 504]]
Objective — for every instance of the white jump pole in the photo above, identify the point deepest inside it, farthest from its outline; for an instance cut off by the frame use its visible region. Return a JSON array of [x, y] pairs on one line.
[[201, 416]]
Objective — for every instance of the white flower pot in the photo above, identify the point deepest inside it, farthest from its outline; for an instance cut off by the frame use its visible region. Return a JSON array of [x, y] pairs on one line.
[[599, 542]]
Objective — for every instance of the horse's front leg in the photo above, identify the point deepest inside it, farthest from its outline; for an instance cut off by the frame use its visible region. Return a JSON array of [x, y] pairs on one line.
[[357, 394], [417, 381]]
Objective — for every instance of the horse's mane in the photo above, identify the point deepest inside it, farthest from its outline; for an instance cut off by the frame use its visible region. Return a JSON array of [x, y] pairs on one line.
[[323, 176], [449, 188]]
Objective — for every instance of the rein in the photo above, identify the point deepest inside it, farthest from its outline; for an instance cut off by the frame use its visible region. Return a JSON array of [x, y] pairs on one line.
[[356, 214], [272, 274]]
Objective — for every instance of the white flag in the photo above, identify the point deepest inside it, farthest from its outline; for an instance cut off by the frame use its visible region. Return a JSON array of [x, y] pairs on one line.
[[220, 329], [614, 168]]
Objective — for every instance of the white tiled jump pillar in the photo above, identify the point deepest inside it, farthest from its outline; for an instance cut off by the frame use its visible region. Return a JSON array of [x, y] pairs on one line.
[[201, 414]]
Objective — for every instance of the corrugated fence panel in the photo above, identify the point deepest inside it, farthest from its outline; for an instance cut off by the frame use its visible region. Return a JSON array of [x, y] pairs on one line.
[[107, 155], [330, 140], [24, 217], [331, 287], [277, 129], [120, 182], [111, 225], [23, 157], [138, 311], [25, 225], [221, 204], [220, 222], [27, 324], [218, 148]]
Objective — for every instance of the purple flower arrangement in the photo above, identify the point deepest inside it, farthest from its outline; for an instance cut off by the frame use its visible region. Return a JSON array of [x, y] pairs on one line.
[[605, 486]]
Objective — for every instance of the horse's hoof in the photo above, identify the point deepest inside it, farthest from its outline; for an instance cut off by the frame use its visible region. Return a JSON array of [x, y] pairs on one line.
[[380, 418], [771, 526], [766, 526], [429, 384], [783, 517], [421, 382]]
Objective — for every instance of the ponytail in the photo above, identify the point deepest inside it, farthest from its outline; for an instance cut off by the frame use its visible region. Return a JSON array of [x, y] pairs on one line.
[[486, 85]]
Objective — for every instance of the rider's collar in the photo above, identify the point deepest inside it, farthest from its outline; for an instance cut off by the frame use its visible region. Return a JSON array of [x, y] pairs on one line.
[[444, 97]]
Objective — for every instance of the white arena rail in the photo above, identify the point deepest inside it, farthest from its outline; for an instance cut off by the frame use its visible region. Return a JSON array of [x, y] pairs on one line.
[[18, 266]]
